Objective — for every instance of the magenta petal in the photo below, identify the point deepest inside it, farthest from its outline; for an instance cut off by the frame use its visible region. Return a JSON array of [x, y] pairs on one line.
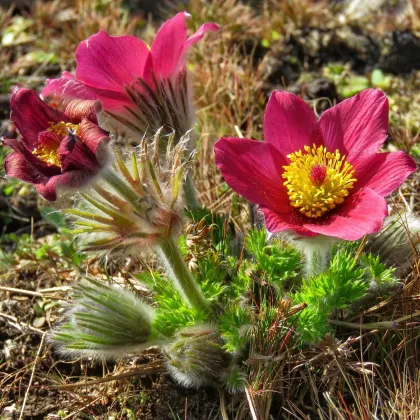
[[361, 214], [168, 46], [193, 39], [198, 36], [253, 169], [357, 126], [284, 222], [108, 63], [32, 115], [289, 123], [68, 87], [385, 172]]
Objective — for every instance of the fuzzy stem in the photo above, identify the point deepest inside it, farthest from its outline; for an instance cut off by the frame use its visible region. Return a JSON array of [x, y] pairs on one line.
[[189, 193], [315, 260], [181, 275]]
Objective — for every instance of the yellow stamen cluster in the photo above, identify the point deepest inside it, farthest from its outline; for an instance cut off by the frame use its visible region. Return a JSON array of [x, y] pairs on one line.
[[48, 153], [61, 128], [317, 180]]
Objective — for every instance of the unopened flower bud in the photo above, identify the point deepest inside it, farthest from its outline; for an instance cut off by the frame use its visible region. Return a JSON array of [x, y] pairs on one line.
[[196, 356], [135, 204]]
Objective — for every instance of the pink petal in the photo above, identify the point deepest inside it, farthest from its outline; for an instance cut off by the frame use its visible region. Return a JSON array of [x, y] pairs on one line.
[[253, 169], [357, 126], [385, 172], [289, 123], [361, 214], [108, 63], [167, 53], [68, 87], [198, 36], [167, 47], [283, 222], [32, 115], [194, 38]]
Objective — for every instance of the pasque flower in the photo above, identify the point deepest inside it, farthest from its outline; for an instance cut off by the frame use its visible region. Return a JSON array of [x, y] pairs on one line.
[[140, 88], [318, 177], [57, 149]]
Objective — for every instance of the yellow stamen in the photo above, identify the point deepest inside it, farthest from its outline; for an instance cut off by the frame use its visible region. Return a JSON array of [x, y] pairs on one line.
[[317, 180], [48, 153], [61, 128]]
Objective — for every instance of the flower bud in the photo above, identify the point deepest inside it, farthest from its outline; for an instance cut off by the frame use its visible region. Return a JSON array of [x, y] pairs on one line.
[[105, 322], [136, 204], [397, 242], [196, 356]]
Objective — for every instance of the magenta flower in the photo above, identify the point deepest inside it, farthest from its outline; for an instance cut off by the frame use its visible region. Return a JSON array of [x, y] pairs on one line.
[[57, 149], [140, 87], [318, 177]]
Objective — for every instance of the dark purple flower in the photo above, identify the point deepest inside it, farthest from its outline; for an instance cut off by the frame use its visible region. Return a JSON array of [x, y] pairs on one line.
[[57, 149]]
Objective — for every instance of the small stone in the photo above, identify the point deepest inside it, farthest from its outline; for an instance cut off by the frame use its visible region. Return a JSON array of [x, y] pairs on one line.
[[39, 322]]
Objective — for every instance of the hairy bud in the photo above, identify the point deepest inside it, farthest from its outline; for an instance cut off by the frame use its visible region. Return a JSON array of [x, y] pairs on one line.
[[136, 204], [196, 356], [104, 322]]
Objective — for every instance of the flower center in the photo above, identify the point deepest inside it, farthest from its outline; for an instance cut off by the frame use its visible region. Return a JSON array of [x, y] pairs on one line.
[[317, 180], [48, 150]]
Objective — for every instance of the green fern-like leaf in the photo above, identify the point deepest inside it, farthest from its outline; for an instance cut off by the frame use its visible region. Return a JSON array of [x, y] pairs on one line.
[[277, 261], [172, 312], [234, 324]]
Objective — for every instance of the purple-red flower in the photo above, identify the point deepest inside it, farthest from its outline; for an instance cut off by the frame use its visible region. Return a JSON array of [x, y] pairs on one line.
[[123, 73], [57, 149], [318, 177]]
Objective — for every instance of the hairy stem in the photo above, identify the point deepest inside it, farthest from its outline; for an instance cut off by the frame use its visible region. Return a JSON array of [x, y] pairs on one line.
[[181, 275], [315, 260], [189, 193]]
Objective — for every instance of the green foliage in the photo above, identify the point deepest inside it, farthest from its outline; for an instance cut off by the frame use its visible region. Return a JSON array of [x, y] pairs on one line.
[[277, 262], [240, 279], [235, 379], [59, 248], [221, 236], [346, 281], [349, 84], [55, 218], [234, 323], [381, 276], [172, 313], [210, 275]]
